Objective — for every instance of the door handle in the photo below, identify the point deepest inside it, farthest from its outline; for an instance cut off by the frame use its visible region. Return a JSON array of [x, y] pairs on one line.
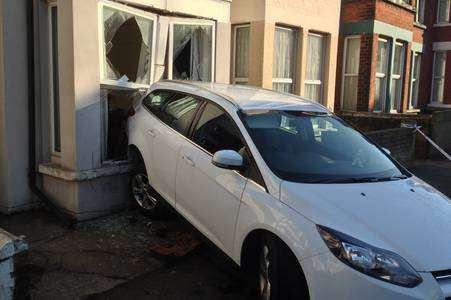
[[152, 133], [188, 160]]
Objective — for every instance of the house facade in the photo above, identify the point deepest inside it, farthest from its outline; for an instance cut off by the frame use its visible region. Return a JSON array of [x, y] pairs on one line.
[[380, 56], [83, 63], [288, 46], [436, 74]]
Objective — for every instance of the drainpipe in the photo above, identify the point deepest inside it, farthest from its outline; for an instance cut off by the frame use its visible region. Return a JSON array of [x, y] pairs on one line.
[[32, 176]]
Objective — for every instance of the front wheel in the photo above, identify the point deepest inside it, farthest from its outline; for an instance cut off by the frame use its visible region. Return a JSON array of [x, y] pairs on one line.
[[279, 275], [148, 201]]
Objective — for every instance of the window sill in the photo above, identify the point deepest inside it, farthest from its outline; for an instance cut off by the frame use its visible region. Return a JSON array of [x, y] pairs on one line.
[[439, 105], [442, 24], [420, 25], [413, 111], [408, 7]]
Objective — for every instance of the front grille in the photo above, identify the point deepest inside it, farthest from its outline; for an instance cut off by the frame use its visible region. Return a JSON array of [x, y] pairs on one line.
[[440, 275]]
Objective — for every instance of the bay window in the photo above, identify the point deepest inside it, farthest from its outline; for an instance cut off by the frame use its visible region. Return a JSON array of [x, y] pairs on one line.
[[397, 76], [314, 79], [128, 46], [438, 81], [416, 67], [351, 73], [443, 11], [381, 75], [191, 48], [241, 54], [284, 65]]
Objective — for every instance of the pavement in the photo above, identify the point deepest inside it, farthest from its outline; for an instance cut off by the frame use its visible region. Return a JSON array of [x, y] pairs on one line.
[[111, 257]]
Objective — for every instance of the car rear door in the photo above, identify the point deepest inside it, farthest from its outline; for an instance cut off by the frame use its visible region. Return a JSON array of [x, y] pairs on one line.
[[208, 196], [175, 113]]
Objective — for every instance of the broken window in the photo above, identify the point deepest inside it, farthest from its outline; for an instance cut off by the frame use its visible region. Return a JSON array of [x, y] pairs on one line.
[[128, 41], [192, 52], [117, 105]]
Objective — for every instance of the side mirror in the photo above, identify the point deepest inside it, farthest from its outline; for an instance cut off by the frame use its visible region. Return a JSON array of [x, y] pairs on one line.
[[228, 159], [386, 151]]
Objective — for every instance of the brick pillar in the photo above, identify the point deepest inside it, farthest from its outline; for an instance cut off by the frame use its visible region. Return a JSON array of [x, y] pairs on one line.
[[447, 88], [367, 72], [407, 79], [339, 75]]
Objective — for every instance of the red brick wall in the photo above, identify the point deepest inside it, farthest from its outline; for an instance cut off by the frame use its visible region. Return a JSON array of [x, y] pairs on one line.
[[395, 15], [367, 72], [447, 91], [357, 10]]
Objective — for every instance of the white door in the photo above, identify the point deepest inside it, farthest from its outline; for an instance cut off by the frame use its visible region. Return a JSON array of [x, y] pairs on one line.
[[208, 196], [175, 113]]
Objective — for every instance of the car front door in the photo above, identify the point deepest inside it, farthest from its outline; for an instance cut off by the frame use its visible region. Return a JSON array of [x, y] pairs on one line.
[[174, 113], [208, 196]]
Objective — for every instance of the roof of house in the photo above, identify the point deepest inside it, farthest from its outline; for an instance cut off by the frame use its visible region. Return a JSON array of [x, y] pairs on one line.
[[247, 97]]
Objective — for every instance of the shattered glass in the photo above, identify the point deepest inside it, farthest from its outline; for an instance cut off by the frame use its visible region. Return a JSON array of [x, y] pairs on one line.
[[128, 46], [192, 57]]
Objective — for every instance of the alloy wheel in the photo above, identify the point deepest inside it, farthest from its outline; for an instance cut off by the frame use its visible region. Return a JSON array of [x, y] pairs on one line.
[[142, 192], [264, 280]]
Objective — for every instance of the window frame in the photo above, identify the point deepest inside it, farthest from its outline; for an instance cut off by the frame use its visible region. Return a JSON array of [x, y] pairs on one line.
[[400, 77], [437, 19], [420, 8], [53, 150], [321, 82], [414, 80], [181, 21], [239, 80], [384, 76], [116, 84], [293, 80], [345, 61], [434, 77]]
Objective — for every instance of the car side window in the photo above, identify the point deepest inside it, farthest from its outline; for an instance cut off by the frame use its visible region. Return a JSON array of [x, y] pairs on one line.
[[175, 110], [215, 131]]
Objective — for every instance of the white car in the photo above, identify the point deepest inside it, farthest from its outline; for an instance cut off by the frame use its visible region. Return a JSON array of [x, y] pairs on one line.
[[305, 203]]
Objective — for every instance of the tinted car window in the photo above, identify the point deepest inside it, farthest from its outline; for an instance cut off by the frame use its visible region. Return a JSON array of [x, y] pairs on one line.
[[215, 131], [176, 110]]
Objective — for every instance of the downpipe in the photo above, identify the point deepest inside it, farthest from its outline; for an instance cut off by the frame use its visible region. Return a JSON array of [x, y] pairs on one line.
[[32, 175]]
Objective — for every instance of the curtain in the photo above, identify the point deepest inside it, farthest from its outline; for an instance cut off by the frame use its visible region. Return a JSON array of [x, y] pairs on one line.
[[315, 58], [197, 64], [284, 63], [351, 77], [242, 52]]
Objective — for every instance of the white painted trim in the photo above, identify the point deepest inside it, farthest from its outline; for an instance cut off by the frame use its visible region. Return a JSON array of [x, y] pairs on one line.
[[238, 79], [442, 46], [437, 22], [439, 105], [140, 13], [181, 21]]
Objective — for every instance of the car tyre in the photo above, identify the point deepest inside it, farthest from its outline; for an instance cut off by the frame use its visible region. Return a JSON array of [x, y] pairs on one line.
[[279, 275], [143, 196]]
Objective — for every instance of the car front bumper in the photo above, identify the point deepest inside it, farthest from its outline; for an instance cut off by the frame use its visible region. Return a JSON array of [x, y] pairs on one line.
[[329, 278]]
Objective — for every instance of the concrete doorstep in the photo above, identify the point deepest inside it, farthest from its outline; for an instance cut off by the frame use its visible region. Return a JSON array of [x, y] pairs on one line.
[[10, 245]]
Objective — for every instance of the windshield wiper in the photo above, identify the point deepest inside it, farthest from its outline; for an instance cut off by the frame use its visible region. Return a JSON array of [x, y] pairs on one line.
[[357, 179]]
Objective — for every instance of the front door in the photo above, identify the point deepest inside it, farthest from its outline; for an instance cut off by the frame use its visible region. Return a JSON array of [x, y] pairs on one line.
[[208, 196]]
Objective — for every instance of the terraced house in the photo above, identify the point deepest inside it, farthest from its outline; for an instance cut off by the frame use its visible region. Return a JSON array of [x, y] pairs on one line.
[[380, 56], [285, 45]]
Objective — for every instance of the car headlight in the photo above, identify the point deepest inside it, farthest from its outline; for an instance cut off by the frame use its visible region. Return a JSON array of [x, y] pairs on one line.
[[372, 261]]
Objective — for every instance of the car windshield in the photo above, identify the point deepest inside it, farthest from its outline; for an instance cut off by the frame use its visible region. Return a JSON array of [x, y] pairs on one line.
[[317, 148]]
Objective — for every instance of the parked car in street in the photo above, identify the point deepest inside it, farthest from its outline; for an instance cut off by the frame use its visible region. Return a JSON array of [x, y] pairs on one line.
[[309, 206]]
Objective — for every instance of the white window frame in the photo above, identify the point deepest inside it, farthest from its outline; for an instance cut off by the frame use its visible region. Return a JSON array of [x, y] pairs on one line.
[[51, 83], [289, 80], [437, 19], [181, 21], [432, 100], [116, 84], [345, 56], [414, 80], [238, 80], [420, 8], [385, 75], [319, 82], [398, 76]]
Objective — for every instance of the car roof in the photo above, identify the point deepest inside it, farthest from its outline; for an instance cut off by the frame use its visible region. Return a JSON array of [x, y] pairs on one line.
[[246, 98]]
